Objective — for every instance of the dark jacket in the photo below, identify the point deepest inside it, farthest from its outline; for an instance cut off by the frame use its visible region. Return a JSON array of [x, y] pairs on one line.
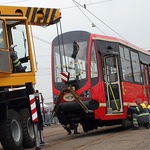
[[143, 113]]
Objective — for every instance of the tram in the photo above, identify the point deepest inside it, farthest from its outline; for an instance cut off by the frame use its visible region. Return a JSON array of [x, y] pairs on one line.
[[96, 77]]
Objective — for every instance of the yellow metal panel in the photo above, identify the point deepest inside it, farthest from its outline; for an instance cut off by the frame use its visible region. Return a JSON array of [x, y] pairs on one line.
[[35, 15], [21, 78]]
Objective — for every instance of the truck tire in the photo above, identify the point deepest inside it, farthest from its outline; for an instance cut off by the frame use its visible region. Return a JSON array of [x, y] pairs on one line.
[[28, 132], [11, 134]]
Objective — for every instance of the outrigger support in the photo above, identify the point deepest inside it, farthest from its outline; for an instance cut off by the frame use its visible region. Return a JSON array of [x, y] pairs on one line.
[[69, 89]]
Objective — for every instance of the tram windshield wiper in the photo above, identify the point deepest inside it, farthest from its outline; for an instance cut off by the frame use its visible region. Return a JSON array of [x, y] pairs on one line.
[[75, 50]]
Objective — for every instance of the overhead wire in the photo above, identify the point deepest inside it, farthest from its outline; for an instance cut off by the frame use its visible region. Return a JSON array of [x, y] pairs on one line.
[[87, 4], [41, 39], [93, 3], [90, 1], [90, 19], [78, 4]]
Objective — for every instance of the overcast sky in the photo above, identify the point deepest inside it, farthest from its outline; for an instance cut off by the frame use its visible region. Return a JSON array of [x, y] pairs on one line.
[[125, 19]]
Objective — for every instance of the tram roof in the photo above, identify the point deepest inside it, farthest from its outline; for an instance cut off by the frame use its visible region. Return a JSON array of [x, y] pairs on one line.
[[121, 41]]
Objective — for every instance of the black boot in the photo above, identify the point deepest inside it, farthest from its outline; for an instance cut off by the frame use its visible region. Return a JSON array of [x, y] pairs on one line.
[[147, 125], [68, 130], [76, 129]]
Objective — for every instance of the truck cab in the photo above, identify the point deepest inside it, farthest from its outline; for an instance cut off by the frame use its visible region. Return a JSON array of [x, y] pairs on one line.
[[16, 35]]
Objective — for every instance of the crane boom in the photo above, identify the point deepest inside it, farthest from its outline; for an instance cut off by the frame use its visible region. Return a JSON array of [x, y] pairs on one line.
[[35, 15]]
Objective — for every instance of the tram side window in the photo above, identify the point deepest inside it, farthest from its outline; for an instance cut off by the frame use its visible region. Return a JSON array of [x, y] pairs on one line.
[[145, 74], [94, 72], [126, 64], [136, 67], [149, 73]]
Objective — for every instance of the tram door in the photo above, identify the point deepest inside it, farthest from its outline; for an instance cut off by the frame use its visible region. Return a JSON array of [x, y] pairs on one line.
[[112, 84]]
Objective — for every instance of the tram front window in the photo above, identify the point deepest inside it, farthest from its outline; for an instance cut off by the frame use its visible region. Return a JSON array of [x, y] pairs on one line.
[[71, 57]]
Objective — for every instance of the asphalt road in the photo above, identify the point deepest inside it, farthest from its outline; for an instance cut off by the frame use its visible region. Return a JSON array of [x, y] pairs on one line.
[[105, 138]]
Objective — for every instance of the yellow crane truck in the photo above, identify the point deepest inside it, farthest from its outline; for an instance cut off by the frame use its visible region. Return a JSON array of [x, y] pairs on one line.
[[17, 72]]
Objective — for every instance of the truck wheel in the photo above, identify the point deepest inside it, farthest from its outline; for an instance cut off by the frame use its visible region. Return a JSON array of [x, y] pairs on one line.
[[28, 132], [11, 134]]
